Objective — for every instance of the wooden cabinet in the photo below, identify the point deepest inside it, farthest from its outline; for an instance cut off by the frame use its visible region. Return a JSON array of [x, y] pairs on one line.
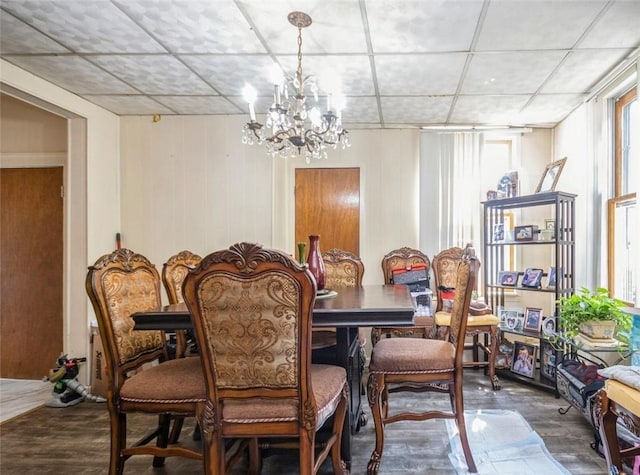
[[528, 239]]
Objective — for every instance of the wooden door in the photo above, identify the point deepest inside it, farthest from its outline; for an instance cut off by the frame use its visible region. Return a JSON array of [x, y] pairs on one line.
[[31, 246], [328, 204]]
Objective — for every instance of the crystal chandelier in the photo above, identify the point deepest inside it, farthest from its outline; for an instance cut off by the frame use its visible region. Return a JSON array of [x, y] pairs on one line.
[[294, 129]]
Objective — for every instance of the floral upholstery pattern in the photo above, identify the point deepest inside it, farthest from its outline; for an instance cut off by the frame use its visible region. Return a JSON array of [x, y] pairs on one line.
[[251, 327], [175, 270], [343, 269]]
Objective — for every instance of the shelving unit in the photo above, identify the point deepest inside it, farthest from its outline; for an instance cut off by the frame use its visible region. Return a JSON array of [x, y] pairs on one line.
[[499, 256]]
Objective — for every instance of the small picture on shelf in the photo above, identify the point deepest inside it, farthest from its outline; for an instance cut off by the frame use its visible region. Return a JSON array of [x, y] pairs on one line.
[[532, 277], [525, 233], [552, 277], [549, 325], [508, 278], [547, 360], [524, 357], [498, 232], [510, 320], [532, 319], [550, 224]]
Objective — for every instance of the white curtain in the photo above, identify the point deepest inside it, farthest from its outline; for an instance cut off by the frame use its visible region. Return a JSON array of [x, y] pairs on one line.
[[451, 191]]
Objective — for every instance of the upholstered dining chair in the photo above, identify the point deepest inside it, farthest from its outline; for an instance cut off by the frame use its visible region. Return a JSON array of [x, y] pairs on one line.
[[419, 364], [479, 323], [120, 284], [402, 259], [173, 273], [253, 308], [343, 269]]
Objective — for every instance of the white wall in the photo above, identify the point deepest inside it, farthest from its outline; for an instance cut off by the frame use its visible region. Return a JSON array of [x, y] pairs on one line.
[[189, 183], [92, 206]]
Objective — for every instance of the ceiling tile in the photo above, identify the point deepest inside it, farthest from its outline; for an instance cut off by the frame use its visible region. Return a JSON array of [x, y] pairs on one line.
[[336, 25], [549, 108], [72, 73], [619, 27], [582, 69], [156, 74], [130, 105], [18, 37], [520, 72], [195, 105], [194, 26], [360, 110], [415, 110], [422, 26], [229, 73], [511, 25], [490, 110], [432, 73], [88, 26]]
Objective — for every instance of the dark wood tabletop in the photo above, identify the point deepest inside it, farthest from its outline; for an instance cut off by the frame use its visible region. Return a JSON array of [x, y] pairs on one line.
[[366, 306]]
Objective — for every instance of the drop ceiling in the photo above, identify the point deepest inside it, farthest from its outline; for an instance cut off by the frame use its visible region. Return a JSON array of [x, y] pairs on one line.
[[398, 63]]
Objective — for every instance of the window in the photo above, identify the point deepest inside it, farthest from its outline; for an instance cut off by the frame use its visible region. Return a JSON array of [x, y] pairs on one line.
[[623, 211]]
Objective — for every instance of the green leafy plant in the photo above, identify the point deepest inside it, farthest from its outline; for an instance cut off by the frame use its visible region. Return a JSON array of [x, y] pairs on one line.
[[584, 306]]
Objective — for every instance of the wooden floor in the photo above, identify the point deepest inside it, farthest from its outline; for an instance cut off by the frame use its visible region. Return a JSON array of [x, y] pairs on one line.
[[76, 439]]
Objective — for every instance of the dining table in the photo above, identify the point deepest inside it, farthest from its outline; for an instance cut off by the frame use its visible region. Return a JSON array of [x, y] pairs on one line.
[[345, 309]]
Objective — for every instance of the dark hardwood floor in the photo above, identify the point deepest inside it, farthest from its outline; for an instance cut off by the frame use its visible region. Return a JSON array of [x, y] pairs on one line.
[[76, 439]]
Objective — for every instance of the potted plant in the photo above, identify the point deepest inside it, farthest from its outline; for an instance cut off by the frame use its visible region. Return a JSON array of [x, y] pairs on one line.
[[588, 312]]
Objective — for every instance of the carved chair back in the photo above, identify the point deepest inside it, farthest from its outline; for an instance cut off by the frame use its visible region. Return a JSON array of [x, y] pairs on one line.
[[403, 258], [119, 284], [175, 270], [343, 269]]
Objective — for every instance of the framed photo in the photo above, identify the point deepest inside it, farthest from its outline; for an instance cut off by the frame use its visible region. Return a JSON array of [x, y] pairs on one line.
[[550, 176], [498, 232], [532, 319], [508, 185], [508, 278], [547, 360], [524, 359], [550, 224], [524, 233], [510, 320], [532, 277], [549, 326], [552, 277]]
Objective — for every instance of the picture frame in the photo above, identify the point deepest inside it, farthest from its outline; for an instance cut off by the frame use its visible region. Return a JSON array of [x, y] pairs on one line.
[[498, 232], [510, 320], [508, 185], [550, 224], [508, 278], [532, 278], [550, 176], [552, 277], [525, 232], [523, 359], [549, 326], [532, 319], [548, 358]]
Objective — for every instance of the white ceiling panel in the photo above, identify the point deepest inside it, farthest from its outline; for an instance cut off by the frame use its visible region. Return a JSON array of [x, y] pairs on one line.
[[154, 75], [397, 62], [422, 26], [73, 73], [552, 24], [494, 110], [521, 72]]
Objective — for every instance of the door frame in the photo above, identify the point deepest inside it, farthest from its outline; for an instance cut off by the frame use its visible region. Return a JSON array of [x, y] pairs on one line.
[[76, 327]]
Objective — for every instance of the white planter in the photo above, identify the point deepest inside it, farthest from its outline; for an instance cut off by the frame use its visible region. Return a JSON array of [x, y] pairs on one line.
[[599, 329]]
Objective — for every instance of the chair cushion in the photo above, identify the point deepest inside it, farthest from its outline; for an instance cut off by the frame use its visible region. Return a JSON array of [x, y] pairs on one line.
[[327, 382], [411, 355], [172, 382], [626, 396], [443, 319]]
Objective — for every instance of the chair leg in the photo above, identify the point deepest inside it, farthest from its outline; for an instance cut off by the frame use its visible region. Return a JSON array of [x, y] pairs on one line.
[[307, 444], [376, 395], [164, 423], [339, 467], [118, 442], [462, 428], [255, 458], [493, 349], [174, 436]]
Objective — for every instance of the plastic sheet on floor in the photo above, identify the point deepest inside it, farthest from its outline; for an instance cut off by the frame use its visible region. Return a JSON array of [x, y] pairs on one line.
[[502, 443]]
